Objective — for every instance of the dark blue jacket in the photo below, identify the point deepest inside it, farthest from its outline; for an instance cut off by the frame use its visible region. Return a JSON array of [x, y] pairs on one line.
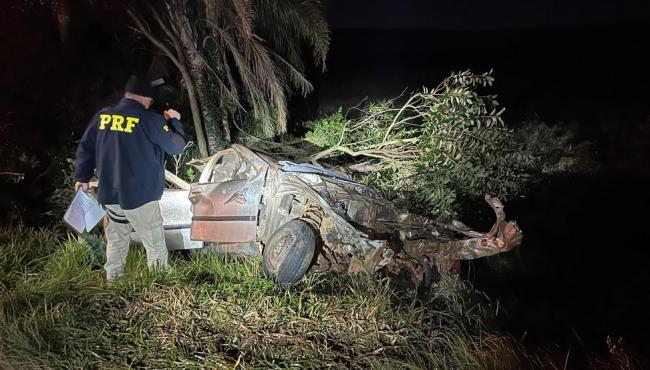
[[127, 145]]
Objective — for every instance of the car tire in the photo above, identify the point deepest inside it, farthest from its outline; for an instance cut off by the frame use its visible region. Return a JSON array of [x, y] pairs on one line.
[[289, 252]]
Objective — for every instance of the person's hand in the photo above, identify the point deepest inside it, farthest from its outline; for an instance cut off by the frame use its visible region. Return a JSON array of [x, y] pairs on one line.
[[170, 113], [81, 185]]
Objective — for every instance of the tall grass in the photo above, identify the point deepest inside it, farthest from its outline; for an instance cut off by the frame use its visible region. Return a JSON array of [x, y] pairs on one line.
[[213, 311]]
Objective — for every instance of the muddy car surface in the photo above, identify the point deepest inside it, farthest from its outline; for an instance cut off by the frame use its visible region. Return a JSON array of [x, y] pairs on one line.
[[301, 217]]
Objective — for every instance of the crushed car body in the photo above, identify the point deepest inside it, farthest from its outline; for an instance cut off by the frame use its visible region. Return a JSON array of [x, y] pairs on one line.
[[301, 216]]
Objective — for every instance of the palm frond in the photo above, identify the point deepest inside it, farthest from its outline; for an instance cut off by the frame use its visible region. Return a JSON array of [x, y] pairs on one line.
[[259, 76], [290, 22], [294, 76], [249, 51]]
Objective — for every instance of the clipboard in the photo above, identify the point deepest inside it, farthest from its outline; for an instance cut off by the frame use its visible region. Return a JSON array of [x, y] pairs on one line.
[[83, 213]]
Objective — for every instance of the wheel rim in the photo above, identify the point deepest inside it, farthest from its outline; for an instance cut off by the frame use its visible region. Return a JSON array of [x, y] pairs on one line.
[[280, 246]]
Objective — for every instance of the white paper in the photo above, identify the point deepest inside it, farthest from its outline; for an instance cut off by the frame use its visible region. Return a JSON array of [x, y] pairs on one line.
[[84, 212], [74, 215]]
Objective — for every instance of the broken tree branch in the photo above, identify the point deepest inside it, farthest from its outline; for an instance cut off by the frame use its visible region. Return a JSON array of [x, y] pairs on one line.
[[182, 184]]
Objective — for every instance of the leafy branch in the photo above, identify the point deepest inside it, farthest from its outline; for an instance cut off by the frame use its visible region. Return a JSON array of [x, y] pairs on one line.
[[436, 142]]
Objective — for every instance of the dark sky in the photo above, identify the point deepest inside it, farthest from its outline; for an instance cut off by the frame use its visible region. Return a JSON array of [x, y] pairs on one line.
[[488, 15]]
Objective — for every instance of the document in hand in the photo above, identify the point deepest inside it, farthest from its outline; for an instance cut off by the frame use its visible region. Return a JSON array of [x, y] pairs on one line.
[[83, 213]]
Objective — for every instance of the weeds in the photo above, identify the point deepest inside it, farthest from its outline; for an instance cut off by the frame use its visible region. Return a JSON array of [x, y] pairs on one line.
[[56, 311]]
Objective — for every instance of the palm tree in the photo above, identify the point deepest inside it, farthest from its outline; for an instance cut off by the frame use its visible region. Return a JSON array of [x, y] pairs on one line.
[[237, 55]]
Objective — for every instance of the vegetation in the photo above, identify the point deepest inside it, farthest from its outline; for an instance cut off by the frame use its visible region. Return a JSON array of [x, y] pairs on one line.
[[236, 55], [552, 149], [211, 311], [234, 58], [14, 160], [436, 147]]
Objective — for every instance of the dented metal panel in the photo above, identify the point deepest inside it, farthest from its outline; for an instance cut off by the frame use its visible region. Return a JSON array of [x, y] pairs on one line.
[[227, 211]]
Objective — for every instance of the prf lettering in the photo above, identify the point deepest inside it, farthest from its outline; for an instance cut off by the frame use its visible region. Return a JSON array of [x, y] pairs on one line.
[[115, 122]]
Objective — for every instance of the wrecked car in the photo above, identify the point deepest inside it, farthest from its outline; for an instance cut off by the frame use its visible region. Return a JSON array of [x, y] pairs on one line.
[[302, 217]]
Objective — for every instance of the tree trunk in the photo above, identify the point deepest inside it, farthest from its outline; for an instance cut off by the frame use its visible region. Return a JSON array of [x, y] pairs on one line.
[[179, 59], [209, 107], [211, 114], [196, 114]]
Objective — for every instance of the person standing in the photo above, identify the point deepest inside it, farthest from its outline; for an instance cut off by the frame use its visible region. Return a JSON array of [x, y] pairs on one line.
[[127, 144]]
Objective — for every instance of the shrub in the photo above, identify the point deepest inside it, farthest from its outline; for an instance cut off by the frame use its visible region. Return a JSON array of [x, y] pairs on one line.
[[551, 149], [178, 164], [432, 147], [437, 147]]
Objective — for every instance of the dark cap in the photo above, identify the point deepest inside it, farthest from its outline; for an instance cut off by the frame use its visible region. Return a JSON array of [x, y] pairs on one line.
[[140, 86]]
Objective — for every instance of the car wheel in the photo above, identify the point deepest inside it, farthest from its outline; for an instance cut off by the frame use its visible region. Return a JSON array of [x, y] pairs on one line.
[[289, 252]]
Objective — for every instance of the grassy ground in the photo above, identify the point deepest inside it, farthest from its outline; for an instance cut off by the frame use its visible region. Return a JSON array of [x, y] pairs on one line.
[[56, 311]]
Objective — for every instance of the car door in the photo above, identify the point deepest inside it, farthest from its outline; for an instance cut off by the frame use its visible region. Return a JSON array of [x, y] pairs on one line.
[[227, 210]]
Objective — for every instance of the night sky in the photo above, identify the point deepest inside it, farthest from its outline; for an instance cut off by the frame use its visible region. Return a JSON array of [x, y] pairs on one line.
[[566, 60], [484, 15]]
